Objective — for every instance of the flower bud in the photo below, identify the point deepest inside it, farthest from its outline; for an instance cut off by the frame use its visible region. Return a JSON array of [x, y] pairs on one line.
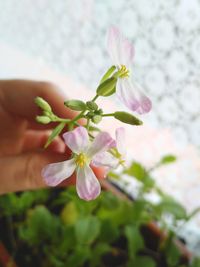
[[127, 118], [74, 104], [92, 105], [107, 88], [96, 119], [43, 104], [43, 119]]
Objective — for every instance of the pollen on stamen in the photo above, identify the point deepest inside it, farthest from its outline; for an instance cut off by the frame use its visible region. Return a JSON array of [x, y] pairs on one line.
[[124, 72], [81, 160]]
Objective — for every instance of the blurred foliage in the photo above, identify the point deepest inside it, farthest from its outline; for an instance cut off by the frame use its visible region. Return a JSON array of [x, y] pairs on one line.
[[54, 228]]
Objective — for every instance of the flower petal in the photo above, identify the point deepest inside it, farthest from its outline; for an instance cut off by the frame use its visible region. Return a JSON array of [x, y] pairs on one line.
[[113, 44], [77, 140], [126, 94], [55, 173], [87, 185], [130, 93], [120, 140], [120, 49], [102, 142], [105, 159]]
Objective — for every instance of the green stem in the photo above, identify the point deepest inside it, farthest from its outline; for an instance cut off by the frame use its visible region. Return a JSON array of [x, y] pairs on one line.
[[95, 98], [108, 115]]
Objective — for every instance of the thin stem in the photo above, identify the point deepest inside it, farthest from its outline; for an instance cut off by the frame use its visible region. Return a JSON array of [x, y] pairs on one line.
[[108, 115], [88, 124], [95, 98]]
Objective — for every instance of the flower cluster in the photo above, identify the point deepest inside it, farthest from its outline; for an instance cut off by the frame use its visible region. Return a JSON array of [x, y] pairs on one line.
[[88, 148]]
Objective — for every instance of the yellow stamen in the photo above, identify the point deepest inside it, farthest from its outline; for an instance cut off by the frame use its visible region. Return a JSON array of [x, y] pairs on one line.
[[124, 72], [81, 160]]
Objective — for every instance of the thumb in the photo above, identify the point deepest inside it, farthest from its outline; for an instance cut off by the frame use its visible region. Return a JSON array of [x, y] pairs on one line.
[[23, 172]]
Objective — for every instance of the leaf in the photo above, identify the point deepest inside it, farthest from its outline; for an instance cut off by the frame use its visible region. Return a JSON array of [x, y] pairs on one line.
[[75, 104], [170, 206], [78, 257], [173, 254], [87, 229], [107, 88], [108, 74], [168, 159], [144, 261], [135, 240], [195, 262], [55, 133], [138, 171]]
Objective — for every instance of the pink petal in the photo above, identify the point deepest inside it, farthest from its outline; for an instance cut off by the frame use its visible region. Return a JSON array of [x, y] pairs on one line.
[[102, 142], [120, 49], [145, 104], [113, 45], [120, 140], [130, 93], [126, 94], [87, 185], [55, 173], [77, 140], [105, 159]]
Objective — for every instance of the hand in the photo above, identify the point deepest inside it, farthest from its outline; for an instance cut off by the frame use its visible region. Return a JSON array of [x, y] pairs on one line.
[[22, 156]]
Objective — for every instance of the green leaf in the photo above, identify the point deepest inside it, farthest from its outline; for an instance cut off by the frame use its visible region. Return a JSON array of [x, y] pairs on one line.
[[170, 206], [74, 104], [107, 88], [168, 159], [78, 257], [55, 133], [127, 118], [144, 261], [69, 213], [97, 252], [173, 254], [135, 240], [87, 229], [195, 262], [108, 74], [138, 171]]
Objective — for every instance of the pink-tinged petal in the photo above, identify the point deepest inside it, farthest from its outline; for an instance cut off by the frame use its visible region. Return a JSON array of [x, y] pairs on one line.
[[105, 159], [102, 142], [87, 185], [130, 93], [113, 45], [120, 49], [55, 173], [126, 94], [127, 52], [145, 104], [77, 140], [120, 140]]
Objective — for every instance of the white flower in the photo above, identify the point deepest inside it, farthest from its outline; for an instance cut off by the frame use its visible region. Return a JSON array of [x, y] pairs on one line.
[[129, 92]]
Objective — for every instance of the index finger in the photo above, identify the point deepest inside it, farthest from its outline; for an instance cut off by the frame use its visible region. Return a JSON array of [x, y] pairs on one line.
[[17, 97]]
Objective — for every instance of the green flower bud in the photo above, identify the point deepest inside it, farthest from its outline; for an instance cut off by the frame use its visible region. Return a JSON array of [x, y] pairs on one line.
[[127, 118], [99, 111], [92, 105], [43, 119], [90, 114], [74, 104], [40, 102], [107, 88], [108, 74], [96, 119]]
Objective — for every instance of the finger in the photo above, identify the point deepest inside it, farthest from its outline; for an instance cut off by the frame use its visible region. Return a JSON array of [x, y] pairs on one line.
[[24, 172], [17, 97], [37, 139]]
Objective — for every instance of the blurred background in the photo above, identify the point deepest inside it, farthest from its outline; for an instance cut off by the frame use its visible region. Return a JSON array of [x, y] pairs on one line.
[[52, 40]]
